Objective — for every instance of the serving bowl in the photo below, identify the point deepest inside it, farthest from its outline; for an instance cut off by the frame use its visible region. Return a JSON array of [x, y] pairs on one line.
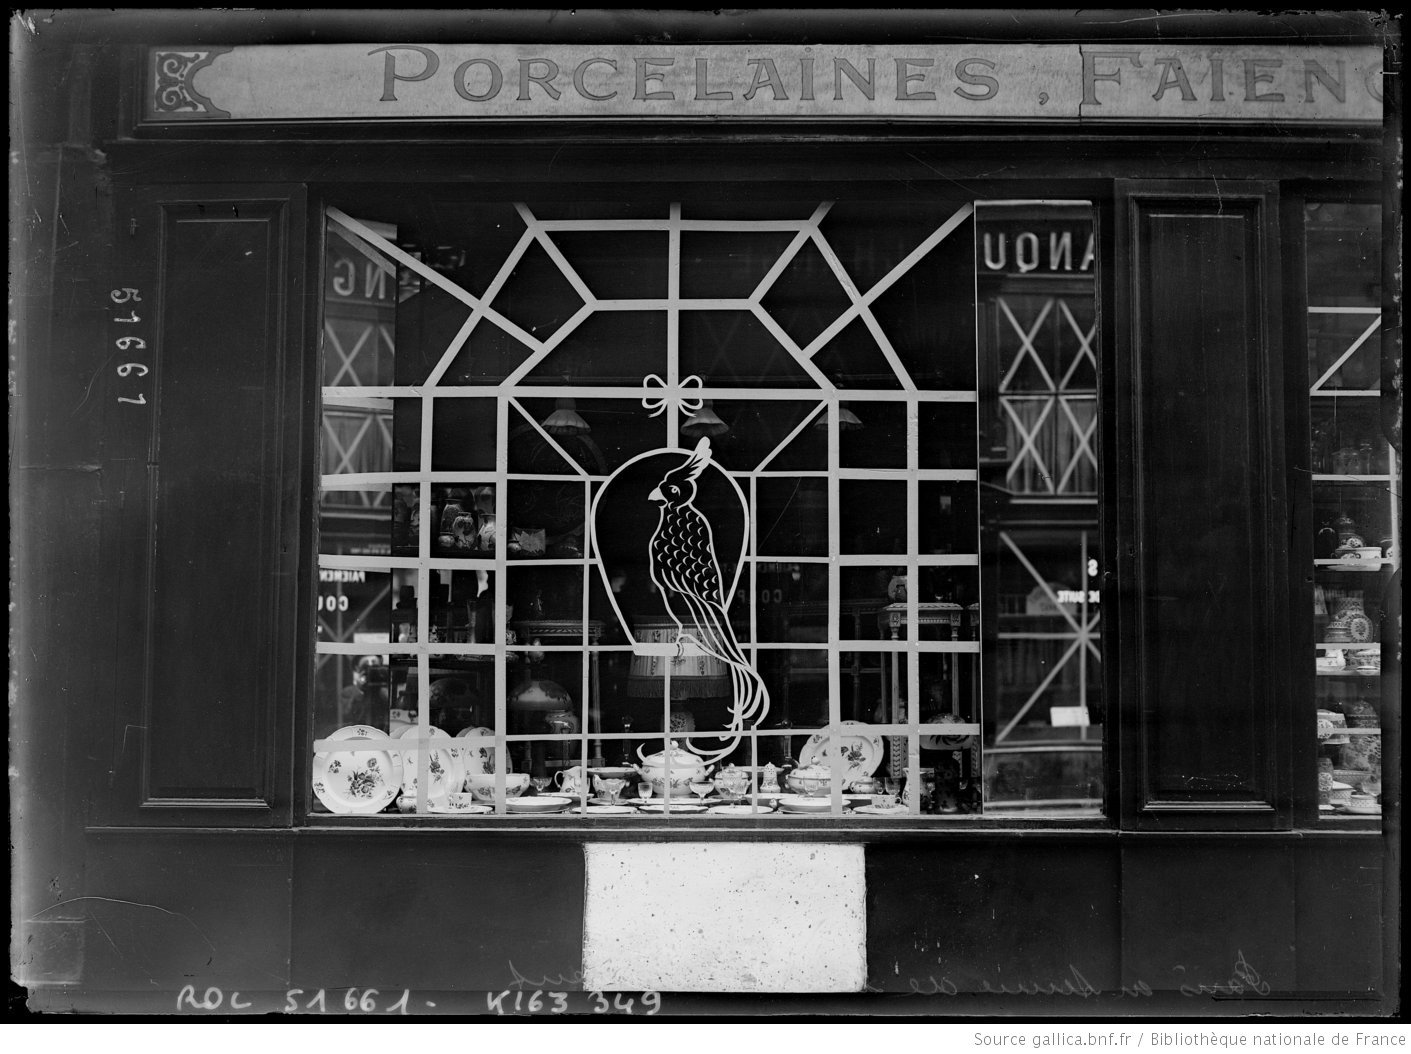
[[809, 780], [482, 785]]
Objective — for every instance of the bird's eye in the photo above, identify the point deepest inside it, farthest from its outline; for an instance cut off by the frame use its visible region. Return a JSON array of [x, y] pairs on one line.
[[674, 490]]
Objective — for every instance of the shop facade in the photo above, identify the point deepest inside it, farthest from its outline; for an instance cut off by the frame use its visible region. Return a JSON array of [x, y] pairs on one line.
[[806, 516]]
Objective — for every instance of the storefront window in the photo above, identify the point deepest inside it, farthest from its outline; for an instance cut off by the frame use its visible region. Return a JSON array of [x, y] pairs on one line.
[[1355, 476], [709, 508]]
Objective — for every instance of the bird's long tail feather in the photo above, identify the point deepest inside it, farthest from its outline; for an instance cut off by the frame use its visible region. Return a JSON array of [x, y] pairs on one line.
[[751, 695]]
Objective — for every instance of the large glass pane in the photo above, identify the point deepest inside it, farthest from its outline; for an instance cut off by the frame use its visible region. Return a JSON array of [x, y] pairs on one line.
[[687, 495], [1043, 719], [1355, 506]]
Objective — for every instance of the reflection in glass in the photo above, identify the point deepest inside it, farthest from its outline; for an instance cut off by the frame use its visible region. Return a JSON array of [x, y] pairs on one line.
[[1039, 618]]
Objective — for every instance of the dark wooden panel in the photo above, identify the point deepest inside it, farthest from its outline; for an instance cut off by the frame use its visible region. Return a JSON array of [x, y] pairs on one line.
[[1017, 918], [1209, 739], [214, 517], [164, 910], [409, 911], [207, 476], [1210, 920], [1342, 921]]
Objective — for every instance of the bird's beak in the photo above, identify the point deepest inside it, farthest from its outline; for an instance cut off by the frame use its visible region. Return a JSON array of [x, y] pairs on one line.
[[655, 495]]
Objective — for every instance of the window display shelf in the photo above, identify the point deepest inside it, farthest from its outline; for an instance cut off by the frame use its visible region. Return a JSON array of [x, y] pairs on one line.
[[1372, 731], [1375, 477], [1354, 566]]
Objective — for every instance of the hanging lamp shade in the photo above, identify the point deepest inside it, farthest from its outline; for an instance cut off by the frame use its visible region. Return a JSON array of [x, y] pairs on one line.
[[705, 422], [847, 420], [565, 420]]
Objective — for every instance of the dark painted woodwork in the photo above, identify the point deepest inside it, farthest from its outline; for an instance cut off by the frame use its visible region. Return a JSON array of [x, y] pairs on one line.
[[61, 624], [928, 155], [1206, 547], [400, 910], [1343, 935], [216, 402], [1046, 923], [208, 517], [939, 26], [1203, 919], [167, 909], [1018, 917]]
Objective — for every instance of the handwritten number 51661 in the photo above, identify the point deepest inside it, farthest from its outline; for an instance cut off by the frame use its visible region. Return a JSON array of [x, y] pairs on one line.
[[129, 295]]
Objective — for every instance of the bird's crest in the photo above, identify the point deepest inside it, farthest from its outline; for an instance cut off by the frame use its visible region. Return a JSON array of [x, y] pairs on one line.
[[696, 463]]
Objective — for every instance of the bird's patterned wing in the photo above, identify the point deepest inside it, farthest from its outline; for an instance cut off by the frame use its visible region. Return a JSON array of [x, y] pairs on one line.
[[683, 553]]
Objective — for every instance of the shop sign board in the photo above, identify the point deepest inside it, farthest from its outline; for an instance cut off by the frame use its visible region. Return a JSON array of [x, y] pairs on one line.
[[743, 82]]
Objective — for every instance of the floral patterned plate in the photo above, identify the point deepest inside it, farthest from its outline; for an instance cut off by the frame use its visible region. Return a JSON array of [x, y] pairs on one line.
[[480, 758], [862, 753], [358, 781], [445, 767]]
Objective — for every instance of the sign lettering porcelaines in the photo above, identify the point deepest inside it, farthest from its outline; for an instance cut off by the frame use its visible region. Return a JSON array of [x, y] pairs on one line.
[[1081, 82]]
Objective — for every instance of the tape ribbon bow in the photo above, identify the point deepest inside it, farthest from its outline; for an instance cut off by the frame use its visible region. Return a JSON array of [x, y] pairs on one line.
[[671, 393]]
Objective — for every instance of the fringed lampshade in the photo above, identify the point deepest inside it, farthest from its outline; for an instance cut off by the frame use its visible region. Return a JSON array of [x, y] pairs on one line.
[[693, 676]]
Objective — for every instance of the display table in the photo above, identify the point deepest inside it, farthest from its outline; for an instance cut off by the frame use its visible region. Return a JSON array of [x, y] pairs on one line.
[[893, 620]]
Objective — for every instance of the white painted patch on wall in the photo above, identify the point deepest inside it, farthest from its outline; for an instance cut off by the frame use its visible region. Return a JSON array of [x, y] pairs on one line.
[[732, 917]]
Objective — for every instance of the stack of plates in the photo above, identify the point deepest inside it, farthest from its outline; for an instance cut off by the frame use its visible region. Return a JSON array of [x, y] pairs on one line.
[[799, 803], [539, 804]]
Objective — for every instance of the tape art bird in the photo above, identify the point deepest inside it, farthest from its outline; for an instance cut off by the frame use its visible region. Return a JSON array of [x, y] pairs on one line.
[[685, 568]]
